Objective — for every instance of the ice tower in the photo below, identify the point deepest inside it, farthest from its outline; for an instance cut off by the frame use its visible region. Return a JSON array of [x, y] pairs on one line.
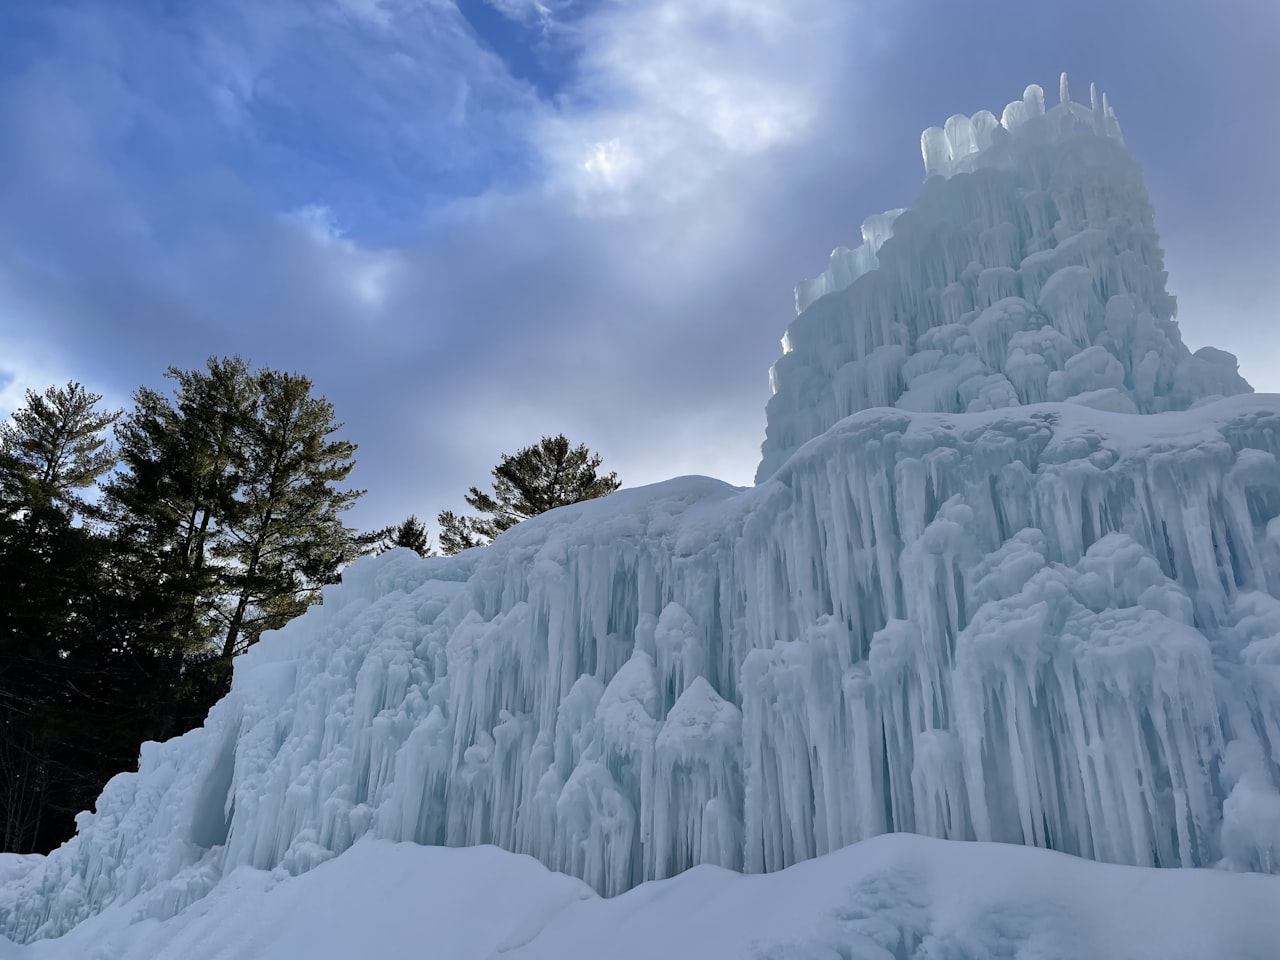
[[1028, 271], [1011, 572]]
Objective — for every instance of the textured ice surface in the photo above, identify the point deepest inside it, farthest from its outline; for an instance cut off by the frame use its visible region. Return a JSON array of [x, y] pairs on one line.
[[999, 581], [1048, 625], [1028, 270]]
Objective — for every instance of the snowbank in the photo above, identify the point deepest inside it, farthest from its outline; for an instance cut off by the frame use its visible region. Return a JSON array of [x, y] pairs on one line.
[[897, 896]]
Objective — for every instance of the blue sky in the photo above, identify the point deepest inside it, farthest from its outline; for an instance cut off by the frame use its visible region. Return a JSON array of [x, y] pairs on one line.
[[475, 222]]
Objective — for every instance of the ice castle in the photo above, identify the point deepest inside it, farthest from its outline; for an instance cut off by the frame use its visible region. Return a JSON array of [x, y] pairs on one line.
[[1011, 571]]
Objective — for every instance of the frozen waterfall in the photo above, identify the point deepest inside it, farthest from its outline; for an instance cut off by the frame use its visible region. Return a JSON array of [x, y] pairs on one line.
[[1011, 572]]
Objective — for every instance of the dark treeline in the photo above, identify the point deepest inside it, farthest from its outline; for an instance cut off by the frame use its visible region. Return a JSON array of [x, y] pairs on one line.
[[132, 572], [141, 551]]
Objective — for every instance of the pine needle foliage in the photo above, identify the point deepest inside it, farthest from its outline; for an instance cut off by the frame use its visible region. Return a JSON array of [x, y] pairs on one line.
[[410, 533], [551, 473]]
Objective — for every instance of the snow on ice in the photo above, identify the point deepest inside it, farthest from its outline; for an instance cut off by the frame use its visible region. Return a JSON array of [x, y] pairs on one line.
[[1010, 572]]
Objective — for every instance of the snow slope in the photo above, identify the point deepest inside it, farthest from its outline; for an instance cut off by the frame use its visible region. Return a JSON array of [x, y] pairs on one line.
[[947, 608], [892, 897]]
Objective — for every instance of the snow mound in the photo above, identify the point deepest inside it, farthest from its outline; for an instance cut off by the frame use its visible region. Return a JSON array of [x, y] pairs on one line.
[[899, 896]]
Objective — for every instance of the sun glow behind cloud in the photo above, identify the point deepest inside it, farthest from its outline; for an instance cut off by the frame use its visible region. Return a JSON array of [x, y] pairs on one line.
[[671, 93]]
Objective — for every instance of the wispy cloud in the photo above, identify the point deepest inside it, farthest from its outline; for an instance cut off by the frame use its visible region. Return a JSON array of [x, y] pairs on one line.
[[531, 11]]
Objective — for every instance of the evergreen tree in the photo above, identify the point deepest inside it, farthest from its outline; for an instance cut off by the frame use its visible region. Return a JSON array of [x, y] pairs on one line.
[[224, 521], [535, 479], [44, 568], [228, 496], [81, 684], [69, 684], [54, 447], [182, 460], [461, 533], [286, 537], [410, 533]]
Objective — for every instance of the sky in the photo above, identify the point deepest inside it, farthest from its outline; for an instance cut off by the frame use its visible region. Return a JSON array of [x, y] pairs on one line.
[[475, 222]]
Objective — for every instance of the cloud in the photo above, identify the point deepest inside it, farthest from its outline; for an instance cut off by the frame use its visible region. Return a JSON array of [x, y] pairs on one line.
[[24, 367], [671, 92], [530, 11], [368, 192], [365, 276]]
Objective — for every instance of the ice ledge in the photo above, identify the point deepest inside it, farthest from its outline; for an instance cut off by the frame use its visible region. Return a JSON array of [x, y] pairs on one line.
[[959, 146], [847, 264], [1131, 435]]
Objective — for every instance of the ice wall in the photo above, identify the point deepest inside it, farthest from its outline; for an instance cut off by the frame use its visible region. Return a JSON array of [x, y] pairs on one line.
[[1054, 624], [1028, 270], [1048, 625]]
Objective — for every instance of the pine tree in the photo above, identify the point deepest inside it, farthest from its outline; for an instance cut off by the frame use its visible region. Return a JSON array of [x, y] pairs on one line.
[[182, 460], [535, 479], [287, 538], [223, 522], [461, 533], [66, 671], [82, 683], [54, 447], [46, 635], [410, 533], [229, 495]]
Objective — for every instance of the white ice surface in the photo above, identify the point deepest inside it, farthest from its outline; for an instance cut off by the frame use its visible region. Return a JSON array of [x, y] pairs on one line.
[[896, 897]]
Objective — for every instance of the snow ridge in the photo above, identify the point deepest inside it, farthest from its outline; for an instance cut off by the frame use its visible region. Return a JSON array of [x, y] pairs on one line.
[[974, 616]]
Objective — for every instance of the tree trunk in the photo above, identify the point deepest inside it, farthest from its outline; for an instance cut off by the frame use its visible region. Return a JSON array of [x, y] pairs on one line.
[[237, 618], [233, 627]]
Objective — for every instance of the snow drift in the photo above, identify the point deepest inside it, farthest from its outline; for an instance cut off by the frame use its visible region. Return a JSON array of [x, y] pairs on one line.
[[888, 898], [1010, 572]]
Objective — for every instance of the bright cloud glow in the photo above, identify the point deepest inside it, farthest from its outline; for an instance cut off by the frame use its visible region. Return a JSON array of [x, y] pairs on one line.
[[365, 274], [318, 222], [529, 11], [610, 164], [671, 92]]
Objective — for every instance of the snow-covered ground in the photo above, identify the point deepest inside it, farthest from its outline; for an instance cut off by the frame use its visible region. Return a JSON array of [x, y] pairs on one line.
[[895, 896]]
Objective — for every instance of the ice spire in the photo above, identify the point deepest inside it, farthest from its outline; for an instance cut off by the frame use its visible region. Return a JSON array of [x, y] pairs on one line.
[[997, 290], [964, 144]]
